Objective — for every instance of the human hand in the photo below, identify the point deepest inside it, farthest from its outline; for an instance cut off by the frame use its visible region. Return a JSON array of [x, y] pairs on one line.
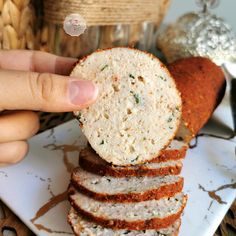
[[30, 81]]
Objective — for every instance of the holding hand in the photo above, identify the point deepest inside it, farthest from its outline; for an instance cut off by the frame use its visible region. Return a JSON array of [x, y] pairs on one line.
[[35, 81]]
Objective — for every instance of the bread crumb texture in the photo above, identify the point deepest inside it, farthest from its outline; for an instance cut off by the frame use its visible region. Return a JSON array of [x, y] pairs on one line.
[[112, 185], [134, 211], [83, 227], [138, 109]]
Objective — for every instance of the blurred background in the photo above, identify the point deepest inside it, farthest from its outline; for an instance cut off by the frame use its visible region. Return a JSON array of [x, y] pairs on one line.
[[226, 9]]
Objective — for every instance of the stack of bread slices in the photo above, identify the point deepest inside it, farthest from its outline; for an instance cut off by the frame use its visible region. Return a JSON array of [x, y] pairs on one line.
[[128, 181], [144, 199]]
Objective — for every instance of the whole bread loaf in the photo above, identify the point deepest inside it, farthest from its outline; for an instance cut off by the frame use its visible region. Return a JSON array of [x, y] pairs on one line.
[[138, 110], [83, 227], [151, 214], [90, 161], [135, 189], [202, 86]]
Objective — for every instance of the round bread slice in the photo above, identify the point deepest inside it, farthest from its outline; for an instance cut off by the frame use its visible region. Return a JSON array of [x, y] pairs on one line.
[[90, 161], [138, 110], [83, 227], [151, 214], [175, 151], [135, 189]]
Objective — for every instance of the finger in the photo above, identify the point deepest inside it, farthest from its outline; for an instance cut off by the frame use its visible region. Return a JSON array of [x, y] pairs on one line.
[[37, 61], [19, 125], [12, 152], [42, 91]]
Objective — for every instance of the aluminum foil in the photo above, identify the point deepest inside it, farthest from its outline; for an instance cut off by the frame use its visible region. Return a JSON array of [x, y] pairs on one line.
[[198, 34]]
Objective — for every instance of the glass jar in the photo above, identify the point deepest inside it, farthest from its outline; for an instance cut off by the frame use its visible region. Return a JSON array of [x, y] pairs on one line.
[[133, 25]]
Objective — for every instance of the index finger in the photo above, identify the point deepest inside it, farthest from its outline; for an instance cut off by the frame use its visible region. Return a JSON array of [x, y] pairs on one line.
[[36, 61]]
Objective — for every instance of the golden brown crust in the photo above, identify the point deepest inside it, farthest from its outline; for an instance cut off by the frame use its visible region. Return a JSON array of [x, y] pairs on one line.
[[155, 223], [177, 230], [202, 85], [109, 170], [170, 155], [168, 190], [176, 233]]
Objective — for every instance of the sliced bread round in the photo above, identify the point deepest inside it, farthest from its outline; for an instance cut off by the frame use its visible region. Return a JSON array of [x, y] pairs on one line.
[[135, 189], [83, 227], [202, 86], [151, 214], [90, 161], [176, 150], [138, 110]]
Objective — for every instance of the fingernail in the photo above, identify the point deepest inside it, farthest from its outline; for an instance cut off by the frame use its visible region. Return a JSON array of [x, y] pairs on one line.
[[82, 92]]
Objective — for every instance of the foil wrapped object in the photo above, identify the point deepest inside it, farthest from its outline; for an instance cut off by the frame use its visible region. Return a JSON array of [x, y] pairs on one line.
[[198, 34]]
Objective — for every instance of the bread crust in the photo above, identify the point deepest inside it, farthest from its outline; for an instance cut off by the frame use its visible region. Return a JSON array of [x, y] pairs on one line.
[[171, 155], [81, 227], [111, 170], [167, 190], [177, 231], [155, 223], [202, 86]]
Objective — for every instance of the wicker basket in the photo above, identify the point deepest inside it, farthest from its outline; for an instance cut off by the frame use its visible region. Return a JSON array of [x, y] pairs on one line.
[[17, 24]]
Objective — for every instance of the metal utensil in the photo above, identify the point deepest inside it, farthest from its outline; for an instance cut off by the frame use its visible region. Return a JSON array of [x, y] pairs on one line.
[[230, 70]]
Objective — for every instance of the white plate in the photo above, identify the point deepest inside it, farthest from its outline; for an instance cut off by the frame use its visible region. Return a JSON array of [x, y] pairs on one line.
[[29, 185], [45, 174]]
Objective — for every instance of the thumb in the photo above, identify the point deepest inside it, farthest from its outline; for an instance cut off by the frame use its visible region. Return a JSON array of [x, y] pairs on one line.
[[43, 91]]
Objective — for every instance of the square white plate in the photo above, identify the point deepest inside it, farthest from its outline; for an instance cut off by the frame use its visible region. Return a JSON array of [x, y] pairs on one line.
[[44, 175], [27, 186]]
